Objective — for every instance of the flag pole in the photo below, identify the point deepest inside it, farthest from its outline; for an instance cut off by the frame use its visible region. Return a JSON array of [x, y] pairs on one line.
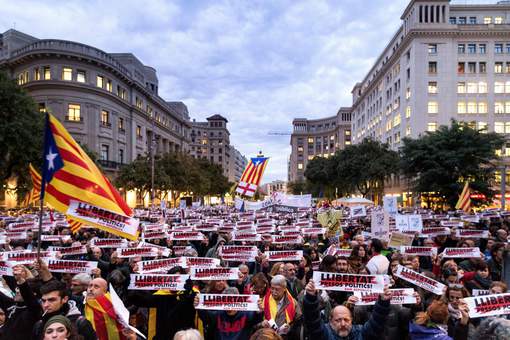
[[39, 232], [43, 184]]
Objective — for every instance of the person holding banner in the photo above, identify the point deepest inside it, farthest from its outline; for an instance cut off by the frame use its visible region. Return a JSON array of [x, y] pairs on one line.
[[340, 321]]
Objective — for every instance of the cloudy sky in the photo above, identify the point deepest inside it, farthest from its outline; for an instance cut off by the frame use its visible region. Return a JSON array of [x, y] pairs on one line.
[[258, 63]]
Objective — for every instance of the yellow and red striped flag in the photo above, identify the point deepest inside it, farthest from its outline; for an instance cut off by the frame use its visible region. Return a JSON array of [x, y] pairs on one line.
[[74, 225], [252, 176], [35, 193], [101, 314], [73, 185], [464, 202]]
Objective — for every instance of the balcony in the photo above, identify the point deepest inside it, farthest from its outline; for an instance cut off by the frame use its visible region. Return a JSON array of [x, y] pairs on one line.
[[106, 124], [109, 164]]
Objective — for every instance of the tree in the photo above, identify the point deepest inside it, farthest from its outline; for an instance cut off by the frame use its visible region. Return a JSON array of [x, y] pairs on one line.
[[318, 174], [440, 162], [364, 167], [21, 135]]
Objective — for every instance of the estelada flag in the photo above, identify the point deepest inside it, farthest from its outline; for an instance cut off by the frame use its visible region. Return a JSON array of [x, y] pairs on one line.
[[252, 176], [73, 185], [101, 314], [464, 202]]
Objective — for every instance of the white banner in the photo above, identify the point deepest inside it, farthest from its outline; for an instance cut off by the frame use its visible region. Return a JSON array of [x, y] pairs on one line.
[[390, 205], [434, 231], [161, 249], [398, 297], [208, 274], [358, 211], [206, 262], [469, 233], [246, 236], [73, 267], [461, 252], [5, 268], [108, 243], [109, 221], [488, 305], [135, 252], [187, 236], [313, 231], [285, 255], [479, 292], [418, 251], [380, 225], [420, 280], [157, 281], [348, 282], [55, 238], [25, 257], [162, 265], [236, 302], [284, 239]]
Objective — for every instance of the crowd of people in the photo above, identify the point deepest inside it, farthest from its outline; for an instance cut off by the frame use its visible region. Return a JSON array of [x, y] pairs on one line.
[[38, 303]]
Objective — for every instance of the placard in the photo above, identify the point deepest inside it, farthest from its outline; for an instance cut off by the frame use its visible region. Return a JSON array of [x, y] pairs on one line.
[[285, 255], [209, 274], [25, 257], [237, 302], [55, 238], [348, 282], [398, 240], [157, 282], [284, 239], [76, 250], [479, 292], [469, 233], [246, 236], [398, 297], [488, 305], [461, 253], [5, 268], [108, 243], [186, 236], [434, 231], [207, 262], [418, 251], [71, 266], [380, 225], [390, 205], [420, 280], [162, 265], [162, 249], [313, 231], [136, 252], [358, 211]]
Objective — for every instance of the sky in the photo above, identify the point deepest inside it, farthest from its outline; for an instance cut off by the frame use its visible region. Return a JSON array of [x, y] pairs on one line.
[[260, 64]]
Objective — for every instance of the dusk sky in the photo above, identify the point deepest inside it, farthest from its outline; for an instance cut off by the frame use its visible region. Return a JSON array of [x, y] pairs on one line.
[[258, 63]]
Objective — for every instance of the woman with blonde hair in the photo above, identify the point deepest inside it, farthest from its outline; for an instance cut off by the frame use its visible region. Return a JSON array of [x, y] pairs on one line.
[[277, 269]]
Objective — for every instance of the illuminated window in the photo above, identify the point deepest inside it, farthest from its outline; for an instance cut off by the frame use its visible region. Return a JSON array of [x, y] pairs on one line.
[[461, 87], [499, 107], [300, 149], [408, 112], [347, 132], [408, 93], [121, 124], [67, 73], [331, 137], [396, 120], [507, 107], [100, 81], [47, 72], [310, 139], [431, 127], [482, 127], [432, 107], [300, 166], [347, 142], [37, 74], [408, 131], [499, 87], [498, 67], [482, 87], [499, 127], [461, 107], [487, 20], [472, 88], [471, 107], [138, 131], [432, 48], [310, 157], [507, 87], [105, 118], [73, 112], [498, 20], [81, 76], [482, 107], [109, 87], [432, 87], [139, 103]]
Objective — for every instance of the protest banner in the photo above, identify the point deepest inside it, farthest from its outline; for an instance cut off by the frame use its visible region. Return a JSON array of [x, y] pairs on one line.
[[246, 236], [211, 274], [415, 223], [420, 280], [71, 266], [283, 239], [338, 252], [478, 292], [291, 232], [398, 297], [398, 240], [470, 233], [207, 262], [284, 255], [16, 235], [76, 250], [237, 302], [186, 236], [162, 265], [452, 224], [136, 252], [157, 281], [25, 257], [182, 228], [348, 282], [108, 242], [390, 205], [238, 253], [418, 251], [164, 251], [206, 228], [154, 234], [380, 226], [5, 268], [488, 305], [22, 226], [358, 211], [153, 227], [461, 252], [55, 238], [431, 232], [179, 250], [313, 231]]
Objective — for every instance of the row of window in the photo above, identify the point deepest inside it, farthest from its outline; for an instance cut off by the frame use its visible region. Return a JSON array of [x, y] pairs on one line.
[[473, 48], [498, 20]]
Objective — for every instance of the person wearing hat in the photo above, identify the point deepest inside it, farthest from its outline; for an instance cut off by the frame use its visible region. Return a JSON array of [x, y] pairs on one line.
[[59, 327]]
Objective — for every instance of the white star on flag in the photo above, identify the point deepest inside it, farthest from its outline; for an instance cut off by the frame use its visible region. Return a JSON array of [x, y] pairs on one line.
[[50, 157]]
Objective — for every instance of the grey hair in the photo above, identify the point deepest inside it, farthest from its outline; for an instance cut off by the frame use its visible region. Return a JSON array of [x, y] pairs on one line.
[[83, 278], [188, 334], [279, 280], [493, 329], [230, 290], [241, 266]]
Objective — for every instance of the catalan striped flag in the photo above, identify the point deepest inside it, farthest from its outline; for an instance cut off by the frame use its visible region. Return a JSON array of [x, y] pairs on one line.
[[252, 176], [35, 193], [101, 314], [464, 202], [74, 225], [72, 184]]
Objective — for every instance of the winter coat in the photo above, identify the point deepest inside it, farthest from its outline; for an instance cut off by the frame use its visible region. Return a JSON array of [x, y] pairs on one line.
[[20, 318], [419, 332], [230, 327], [318, 330], [82, 326], [396, 325]]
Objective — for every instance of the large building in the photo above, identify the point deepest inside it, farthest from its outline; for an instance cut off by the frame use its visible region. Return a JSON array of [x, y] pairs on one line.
[[107, 101], [446, 61], [211, 140], [317, 137]]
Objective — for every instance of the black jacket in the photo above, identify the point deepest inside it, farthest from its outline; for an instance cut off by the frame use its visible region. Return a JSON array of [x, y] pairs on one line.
[[20, 317], [397, 325]]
